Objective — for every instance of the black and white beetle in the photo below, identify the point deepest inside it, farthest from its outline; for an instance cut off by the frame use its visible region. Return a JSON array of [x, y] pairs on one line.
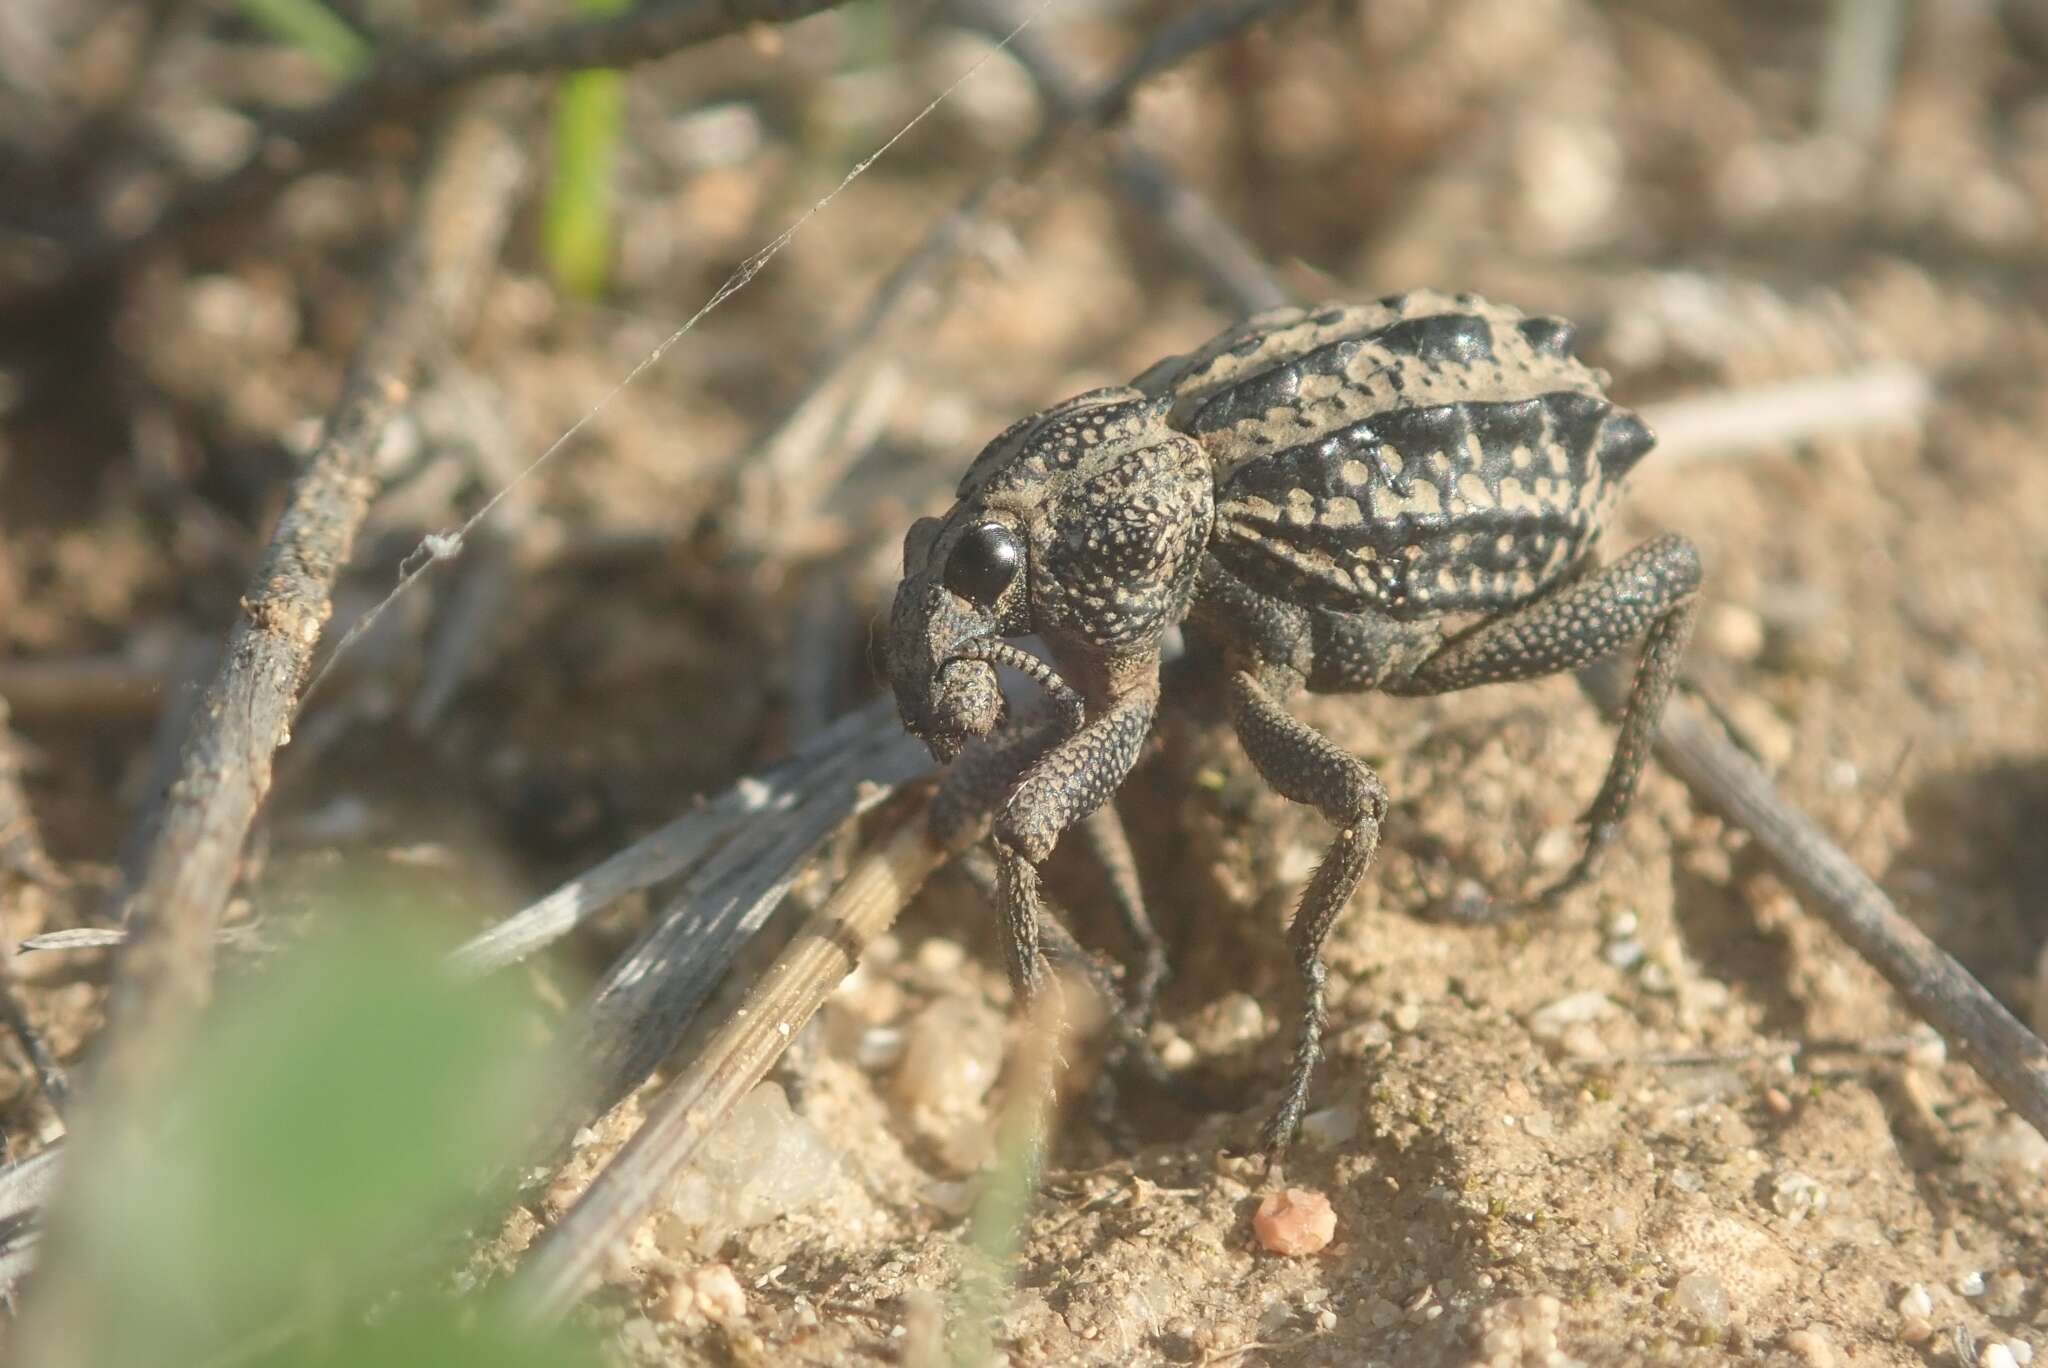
[[1402, 496]]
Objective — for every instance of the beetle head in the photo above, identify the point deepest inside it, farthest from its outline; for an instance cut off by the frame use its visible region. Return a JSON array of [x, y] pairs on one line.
[[1083, 523]]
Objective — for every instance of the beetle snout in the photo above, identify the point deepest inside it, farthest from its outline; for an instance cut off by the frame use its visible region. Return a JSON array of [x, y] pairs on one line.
[[945, 702]]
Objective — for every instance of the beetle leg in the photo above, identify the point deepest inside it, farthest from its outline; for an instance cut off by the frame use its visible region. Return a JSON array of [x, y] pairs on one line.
[[1069, 781], [1652, 593], [975, 785], [1129, 1047], [1111, 846], [1304, 765]]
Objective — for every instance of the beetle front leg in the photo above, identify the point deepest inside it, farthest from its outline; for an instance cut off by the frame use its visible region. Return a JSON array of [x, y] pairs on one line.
[[1070, 781], [976, 784]]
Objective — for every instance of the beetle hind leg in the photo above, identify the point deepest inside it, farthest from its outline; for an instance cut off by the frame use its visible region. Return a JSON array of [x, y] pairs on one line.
[[1651, 593], [1303, 765]]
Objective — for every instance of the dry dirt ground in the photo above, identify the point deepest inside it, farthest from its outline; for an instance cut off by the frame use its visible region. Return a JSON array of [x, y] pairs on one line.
[[1675, 1121]]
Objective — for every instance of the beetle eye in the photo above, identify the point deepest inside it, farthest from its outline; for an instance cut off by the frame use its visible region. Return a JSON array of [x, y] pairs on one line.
[[983, 563]]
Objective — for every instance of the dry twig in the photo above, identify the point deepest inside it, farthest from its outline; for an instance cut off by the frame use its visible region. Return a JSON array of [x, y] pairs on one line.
[[829, 765], [2008, 1056], [1762, 417], [621, 1033], [737, 1058], [166, 972]]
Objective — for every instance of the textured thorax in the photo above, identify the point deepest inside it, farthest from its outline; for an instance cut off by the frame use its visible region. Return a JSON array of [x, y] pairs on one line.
[[1425, 455]]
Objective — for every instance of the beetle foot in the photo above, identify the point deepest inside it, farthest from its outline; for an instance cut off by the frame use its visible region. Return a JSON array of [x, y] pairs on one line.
[[1599, 835]]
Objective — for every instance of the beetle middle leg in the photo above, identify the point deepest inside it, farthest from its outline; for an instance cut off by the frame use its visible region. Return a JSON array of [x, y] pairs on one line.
[[1304, 765], [1651, 593]]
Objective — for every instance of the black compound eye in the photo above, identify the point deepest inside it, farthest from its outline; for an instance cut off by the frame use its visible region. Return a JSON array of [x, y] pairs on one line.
[[983, 562]]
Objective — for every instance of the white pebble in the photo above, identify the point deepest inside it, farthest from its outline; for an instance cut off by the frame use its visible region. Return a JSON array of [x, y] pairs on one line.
[[1550, 1021], [1971, 1284], [878, 1048], [1995, 1355], [1330, 1126], [952, 1051], [1702, 1297], [2012, 1148], [940, 956], [762, 1162], [1812, 1346], [1795, 1196], [1916, 1302], [1623, 954]]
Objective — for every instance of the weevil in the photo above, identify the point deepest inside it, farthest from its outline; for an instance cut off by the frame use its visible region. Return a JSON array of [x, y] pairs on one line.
[[1404, 497]]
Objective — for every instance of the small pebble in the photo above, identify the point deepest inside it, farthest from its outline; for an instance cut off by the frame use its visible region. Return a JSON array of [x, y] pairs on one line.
[[1970, 1284], [1777, 1102], [2022, 1352], [718, 1295], [1928, 1050], [1812, 1347], [2005, 1294], [1330, 1127], [1795, 1196], [1995, 1355], [1294, 1221], [1916, 1302], [2012, 1148], [1549, 1021], [1735, 631], [938, 955], [952, 1051], [1703, 1298], [1228, 1024], [1623, 954], [878, 1048]]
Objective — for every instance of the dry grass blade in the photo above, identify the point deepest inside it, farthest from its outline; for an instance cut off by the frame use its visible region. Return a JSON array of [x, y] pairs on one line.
[[638, 1013], [1203, 240], [24, 1188], [678, 847], [166, 972], [398, 83], [1762, 417], [739, 1056]]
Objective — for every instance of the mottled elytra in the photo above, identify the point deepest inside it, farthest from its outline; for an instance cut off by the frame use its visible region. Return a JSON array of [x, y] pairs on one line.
[[1402, 497]]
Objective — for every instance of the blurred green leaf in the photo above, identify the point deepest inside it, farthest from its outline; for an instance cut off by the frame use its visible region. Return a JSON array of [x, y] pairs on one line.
[[332, 1137], [438, 1341], [576, 228], [310, 25]]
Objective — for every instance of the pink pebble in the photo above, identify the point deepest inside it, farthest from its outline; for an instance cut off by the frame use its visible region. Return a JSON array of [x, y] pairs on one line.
[[1294, 1221]]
